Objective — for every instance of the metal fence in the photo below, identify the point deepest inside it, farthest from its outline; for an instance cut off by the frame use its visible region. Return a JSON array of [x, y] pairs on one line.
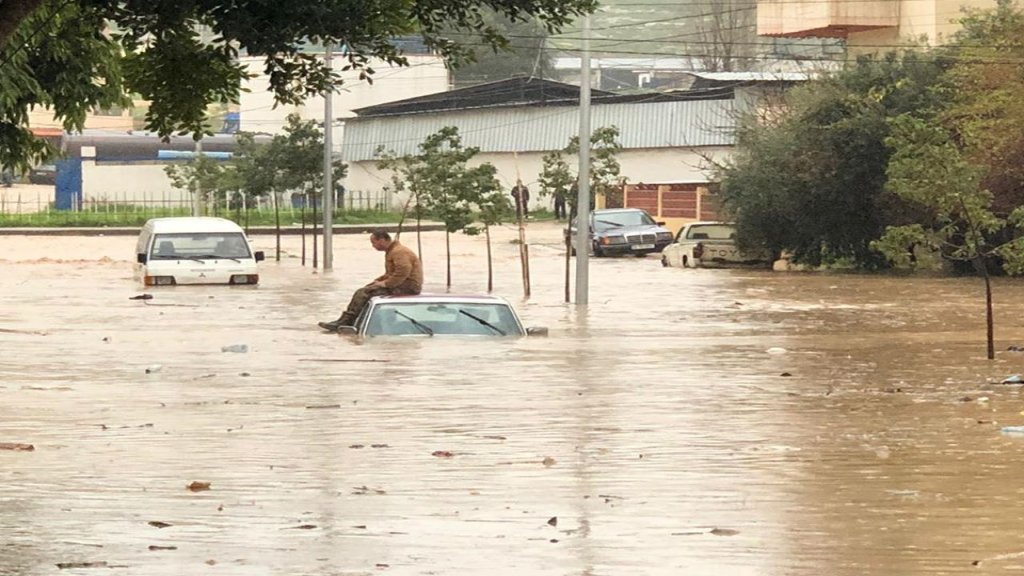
[[39, 201]]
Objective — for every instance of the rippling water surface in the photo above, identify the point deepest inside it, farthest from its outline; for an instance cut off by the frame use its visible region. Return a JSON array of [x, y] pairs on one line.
[[693, 422]]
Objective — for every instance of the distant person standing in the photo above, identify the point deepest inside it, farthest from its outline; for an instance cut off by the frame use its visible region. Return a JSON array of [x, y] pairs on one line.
[[521, 195]]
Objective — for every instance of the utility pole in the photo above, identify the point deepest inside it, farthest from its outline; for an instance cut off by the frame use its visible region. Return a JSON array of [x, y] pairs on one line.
[[583, 196], [328, 170]]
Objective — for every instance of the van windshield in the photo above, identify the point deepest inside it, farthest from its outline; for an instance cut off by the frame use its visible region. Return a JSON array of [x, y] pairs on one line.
[[200, 245]]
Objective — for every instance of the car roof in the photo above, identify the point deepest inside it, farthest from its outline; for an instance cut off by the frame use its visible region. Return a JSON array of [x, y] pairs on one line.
[[611, 210], [445, 298], [185, 224]]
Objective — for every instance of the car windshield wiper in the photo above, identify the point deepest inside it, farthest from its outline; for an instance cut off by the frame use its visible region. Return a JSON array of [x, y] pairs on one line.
[[419, 325], [610, 223], [484, 322], [216, 257]]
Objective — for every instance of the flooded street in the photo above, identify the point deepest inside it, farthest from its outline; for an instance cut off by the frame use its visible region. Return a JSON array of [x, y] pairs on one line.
[[698, 422]]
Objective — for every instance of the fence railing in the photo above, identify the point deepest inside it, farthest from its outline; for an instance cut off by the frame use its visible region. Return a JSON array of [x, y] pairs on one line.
[[35, 205]]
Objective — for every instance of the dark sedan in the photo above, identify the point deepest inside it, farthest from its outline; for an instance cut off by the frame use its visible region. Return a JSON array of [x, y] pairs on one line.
[[617, 231]]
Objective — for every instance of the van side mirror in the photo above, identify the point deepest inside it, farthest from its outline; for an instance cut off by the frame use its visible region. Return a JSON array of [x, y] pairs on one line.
[[258, 255], [140, 257], [660, 223], [537, 331]]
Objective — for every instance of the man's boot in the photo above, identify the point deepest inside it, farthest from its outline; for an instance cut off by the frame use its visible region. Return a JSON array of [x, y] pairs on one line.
[[347, 318]]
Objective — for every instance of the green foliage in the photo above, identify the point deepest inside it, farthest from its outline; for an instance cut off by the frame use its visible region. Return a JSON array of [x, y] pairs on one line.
[[520, 53], [929, 170], [557, 177], [812, 182], [60, 54], [441, 184]]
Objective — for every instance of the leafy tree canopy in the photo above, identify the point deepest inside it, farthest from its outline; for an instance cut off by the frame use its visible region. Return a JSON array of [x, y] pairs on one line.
[[75, 55], [812, 181]]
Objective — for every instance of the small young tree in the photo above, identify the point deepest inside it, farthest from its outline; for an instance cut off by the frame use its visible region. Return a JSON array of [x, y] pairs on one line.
[[440, 183], [200, 176], [557, 177], [928, 169], [494, 207]]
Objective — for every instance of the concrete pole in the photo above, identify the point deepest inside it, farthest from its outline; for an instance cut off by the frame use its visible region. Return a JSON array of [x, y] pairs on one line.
[[583, 196], [328, 204]]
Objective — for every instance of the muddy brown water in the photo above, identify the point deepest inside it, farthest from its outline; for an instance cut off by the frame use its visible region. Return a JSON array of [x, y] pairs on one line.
[[686, 422]]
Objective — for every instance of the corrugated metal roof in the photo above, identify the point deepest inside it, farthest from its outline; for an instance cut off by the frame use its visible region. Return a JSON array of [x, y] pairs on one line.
[[677, 124]]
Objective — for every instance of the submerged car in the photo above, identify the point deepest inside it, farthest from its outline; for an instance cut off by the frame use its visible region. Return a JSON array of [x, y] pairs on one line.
[[439, 314], [617, 231], [187, 250]]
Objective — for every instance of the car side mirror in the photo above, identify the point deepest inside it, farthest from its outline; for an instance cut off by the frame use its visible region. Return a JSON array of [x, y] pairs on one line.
[[537, 331], [259, 255], [140, 257], [660, 223], [347, 330]]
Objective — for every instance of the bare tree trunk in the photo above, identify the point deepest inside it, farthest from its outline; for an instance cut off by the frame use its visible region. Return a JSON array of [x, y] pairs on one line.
[[448, 256], [419, 237], [490, 268], [302, 226], [989, 322], [568, 263], [314, 231], [277, 224]]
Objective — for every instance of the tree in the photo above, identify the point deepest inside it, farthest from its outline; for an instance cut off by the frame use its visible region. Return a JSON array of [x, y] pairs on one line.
[[201, 176], [812, 182], [928, 169], [75, 55], [442, 185], [557, 176], [727, 36], [522, 54]]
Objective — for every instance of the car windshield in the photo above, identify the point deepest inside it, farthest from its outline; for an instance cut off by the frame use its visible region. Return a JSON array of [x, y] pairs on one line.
[[427, 318], [201, 245], [711, 232], [606, 220]]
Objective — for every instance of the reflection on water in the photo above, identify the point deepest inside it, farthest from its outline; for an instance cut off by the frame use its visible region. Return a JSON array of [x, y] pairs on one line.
[[686, 422]]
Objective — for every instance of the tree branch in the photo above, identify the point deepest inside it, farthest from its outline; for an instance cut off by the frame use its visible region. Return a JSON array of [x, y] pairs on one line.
[[13, 14]]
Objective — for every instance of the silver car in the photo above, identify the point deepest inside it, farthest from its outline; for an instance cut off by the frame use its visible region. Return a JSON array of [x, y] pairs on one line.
[[439, 314], [618, 231]]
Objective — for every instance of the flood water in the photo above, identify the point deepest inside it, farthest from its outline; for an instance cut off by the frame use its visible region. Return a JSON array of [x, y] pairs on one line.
[[698, 422]]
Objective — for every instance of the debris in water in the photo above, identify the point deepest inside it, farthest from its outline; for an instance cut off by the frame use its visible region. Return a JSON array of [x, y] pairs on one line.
[[776, 350], [1012, 430], [548, 461], [238, 348], [154, 369], [17, 447], [442, 454], [723, 532], [1014, 379], [198, 486], [158, 524], [553, 521], [155, 548], [785, 374], [73, 565], [141, 297]]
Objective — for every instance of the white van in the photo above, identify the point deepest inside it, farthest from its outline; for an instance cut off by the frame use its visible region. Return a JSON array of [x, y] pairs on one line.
[[189, 250]]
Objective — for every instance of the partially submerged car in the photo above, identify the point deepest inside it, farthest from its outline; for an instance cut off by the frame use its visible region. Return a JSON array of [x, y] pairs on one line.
[[617, 231], [709, 245], [439, 314], [187, 250]]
